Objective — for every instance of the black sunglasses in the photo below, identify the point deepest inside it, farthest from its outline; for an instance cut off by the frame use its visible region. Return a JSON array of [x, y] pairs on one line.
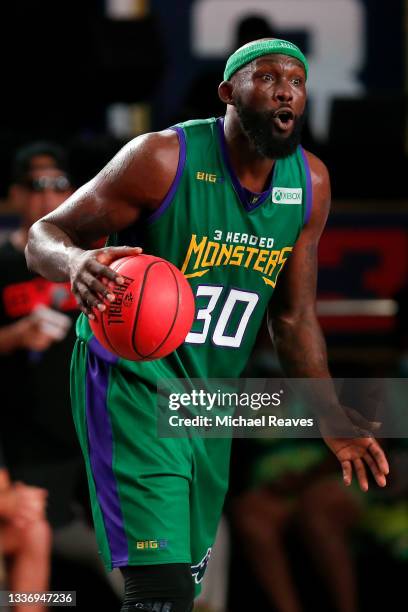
[[51, 183]]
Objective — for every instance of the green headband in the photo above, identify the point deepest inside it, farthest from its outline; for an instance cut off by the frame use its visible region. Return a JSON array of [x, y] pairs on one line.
[[251, 51]]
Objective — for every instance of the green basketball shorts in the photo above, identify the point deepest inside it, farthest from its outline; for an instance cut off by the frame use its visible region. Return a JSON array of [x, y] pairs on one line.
[[154, 500]]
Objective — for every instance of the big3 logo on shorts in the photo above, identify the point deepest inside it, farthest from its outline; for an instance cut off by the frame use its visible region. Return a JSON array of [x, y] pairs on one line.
[[151, 544]]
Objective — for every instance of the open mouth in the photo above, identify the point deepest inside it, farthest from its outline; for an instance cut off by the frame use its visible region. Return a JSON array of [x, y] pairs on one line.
[[283, 119]]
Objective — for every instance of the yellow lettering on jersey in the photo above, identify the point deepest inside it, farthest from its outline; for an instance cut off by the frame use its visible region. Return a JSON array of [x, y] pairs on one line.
[[207, 177], [272, 261], [284, 252], [210, 254], [225, 255], [204, 254], [196, 274], [237, 256], [147, 544], [196, 249], [268, 281], [263, 254], [251, 252]]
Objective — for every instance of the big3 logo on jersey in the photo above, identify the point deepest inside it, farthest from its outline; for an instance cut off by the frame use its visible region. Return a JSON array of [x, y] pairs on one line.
[[235, 249]]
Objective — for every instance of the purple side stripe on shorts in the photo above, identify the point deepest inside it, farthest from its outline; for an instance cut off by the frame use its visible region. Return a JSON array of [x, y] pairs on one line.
[[100, 441], [96, 347], [309, 189]]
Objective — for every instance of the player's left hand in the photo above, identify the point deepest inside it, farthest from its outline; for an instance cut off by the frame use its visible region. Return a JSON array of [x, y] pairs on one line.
[[358, 453]]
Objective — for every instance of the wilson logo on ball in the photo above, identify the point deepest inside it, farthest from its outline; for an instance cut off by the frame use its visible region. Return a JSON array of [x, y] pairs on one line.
[[128, 300], [115, 307]]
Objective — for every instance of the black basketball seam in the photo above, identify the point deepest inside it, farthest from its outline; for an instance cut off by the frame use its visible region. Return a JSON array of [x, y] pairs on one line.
[[142, 288], [174, 318]]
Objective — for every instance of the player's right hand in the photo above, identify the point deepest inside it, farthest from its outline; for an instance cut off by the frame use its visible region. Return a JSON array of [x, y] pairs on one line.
[[25, 504], [92, 279]]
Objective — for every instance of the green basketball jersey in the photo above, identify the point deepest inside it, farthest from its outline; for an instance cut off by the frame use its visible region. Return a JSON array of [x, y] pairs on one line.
[[229, 243], [157, 499]]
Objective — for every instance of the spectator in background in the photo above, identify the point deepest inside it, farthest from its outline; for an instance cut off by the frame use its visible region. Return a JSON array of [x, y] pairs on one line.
[[286, 499], [25, 537], [293, 483], [36, 337]]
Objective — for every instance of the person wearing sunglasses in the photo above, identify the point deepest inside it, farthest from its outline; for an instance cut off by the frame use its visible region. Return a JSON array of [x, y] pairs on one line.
[[36, 336]]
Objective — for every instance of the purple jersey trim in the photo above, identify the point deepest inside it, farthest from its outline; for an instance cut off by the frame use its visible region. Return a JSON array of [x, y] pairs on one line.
[[309, 189], [244, 194], [180, 168], [100, 441]]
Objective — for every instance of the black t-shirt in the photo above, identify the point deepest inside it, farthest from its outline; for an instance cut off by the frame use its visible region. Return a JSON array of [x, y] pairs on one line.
[[35, 414]]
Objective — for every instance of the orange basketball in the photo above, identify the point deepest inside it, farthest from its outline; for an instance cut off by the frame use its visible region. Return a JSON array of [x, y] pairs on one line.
[[152, 313]]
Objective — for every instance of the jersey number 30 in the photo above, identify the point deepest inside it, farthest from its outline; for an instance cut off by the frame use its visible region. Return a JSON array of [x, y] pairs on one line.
[[219, 336]]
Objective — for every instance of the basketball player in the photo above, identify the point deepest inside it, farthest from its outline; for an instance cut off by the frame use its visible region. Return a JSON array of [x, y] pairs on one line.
[[239, 206]]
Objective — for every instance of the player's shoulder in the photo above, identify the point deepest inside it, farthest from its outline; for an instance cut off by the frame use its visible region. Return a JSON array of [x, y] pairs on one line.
[[163, 138], [318, 170], [150, 158], [163, 147], [321, 193], [154, 145]]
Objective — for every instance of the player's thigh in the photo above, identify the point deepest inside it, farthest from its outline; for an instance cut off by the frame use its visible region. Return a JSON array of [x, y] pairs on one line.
[[157, 515], [139, 483]]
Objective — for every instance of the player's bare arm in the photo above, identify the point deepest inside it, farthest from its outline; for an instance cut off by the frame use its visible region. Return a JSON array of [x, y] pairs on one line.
[[137, 178], [292, 312], [297, 334]]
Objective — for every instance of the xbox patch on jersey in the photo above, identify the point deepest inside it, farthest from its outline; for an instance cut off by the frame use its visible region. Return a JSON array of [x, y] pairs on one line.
[[283, 195]]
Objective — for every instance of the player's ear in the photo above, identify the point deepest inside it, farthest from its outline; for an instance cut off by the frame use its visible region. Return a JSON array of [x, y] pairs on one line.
[[225, 91]]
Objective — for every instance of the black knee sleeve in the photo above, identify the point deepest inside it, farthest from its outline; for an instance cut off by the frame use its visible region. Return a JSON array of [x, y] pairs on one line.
[[158, 588]]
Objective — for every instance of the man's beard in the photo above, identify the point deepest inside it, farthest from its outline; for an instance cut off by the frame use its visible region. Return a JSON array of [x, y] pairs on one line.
[[261, 132]]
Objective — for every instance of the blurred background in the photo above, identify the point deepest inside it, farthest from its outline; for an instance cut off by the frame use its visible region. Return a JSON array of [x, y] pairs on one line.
[[89, 76]]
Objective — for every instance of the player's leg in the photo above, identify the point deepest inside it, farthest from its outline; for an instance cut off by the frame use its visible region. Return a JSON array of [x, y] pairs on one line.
[[139, 483], [27, 551], [158, 588]]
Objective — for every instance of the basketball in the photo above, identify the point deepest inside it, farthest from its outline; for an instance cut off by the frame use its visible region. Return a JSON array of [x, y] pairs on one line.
[[152, 313]]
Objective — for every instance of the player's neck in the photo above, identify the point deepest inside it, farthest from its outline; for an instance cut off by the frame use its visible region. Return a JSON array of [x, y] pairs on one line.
[[252, 169]]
